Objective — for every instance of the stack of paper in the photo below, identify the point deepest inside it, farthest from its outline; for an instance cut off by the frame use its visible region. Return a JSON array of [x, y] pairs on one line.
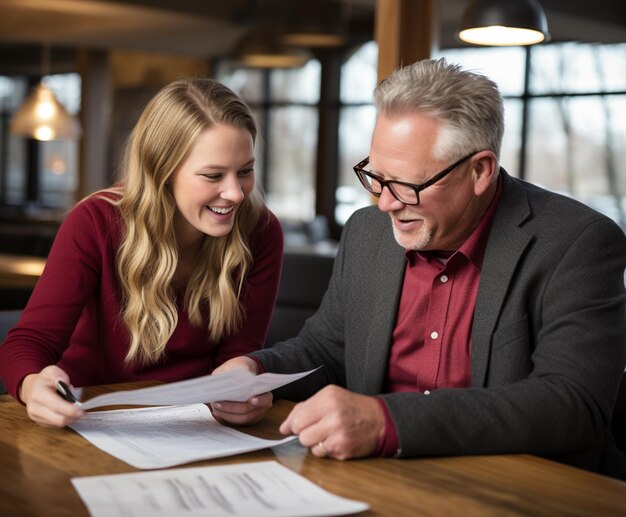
[[159, 437], [263, 489], [182, 429]]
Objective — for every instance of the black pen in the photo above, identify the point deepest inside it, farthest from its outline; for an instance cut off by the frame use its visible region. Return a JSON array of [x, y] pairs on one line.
[[65, 392]]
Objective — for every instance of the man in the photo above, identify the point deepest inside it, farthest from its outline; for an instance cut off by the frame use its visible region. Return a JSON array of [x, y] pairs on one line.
[[471, 313]]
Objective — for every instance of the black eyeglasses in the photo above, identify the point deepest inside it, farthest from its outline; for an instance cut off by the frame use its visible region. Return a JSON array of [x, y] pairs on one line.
[[407, 193]]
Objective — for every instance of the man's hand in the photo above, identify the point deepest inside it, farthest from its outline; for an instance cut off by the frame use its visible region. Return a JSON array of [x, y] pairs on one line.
[[337, 423], [240, 413], [43, 403]]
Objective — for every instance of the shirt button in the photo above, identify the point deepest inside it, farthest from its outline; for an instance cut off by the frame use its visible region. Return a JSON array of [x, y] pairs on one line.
[[443, 279], [426, 392], [434, 335]]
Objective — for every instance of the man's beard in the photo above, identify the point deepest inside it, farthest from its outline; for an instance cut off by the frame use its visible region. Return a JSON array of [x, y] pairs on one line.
[[412, 241]]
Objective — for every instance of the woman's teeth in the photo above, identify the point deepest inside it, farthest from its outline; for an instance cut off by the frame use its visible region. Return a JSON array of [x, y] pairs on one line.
[[222, 211]]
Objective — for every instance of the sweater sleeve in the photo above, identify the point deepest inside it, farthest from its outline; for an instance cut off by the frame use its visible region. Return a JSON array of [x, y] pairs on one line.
[[69, 279], [259, 292]]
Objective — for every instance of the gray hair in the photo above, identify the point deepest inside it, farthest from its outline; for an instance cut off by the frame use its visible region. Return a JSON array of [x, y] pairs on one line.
[[468, 104]]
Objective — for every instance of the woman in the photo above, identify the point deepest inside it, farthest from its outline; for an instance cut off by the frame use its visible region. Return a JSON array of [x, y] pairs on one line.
[[164, 276]]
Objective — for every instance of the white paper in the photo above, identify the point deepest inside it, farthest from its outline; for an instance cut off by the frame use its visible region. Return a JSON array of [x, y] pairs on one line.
[[159, 437], [236, 385], [262, 489]]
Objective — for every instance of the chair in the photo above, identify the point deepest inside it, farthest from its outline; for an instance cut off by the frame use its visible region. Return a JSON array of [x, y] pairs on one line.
[[7, 320], [303, 284]]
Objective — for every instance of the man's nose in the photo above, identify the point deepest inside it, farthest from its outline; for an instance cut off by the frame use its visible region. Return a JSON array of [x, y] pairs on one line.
[[387, 202]]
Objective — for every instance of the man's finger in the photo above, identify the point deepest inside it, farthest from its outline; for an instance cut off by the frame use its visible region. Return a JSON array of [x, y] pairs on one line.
[[302, 416]]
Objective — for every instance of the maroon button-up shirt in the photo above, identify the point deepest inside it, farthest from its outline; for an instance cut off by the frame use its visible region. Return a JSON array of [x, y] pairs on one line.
[[432, 343]]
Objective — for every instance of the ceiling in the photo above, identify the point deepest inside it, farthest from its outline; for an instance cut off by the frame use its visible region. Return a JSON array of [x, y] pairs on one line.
[[211, 28]]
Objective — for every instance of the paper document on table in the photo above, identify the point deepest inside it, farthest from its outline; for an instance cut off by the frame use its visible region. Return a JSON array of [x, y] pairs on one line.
[[262, 489], [236, 385], [159, 437]]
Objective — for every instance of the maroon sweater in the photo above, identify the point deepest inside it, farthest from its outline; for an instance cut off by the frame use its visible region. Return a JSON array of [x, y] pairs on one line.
[[73, 316]]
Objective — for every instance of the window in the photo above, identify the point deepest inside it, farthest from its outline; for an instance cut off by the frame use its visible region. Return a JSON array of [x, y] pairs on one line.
[[575, 101], [565, 119], [285, 103], [356, 123], [576, 111], [577, 123]]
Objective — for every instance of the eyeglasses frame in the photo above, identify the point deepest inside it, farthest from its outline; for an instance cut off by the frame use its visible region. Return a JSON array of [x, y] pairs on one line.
[[358, 170]]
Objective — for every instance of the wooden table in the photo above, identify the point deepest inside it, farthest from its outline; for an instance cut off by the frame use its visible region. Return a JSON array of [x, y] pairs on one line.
[[36, 465]]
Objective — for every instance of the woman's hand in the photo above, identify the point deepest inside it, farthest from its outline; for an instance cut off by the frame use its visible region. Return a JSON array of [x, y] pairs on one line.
[[241, 413], [43, 403]]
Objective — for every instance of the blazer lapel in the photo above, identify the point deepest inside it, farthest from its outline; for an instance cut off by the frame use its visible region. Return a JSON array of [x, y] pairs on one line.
[[388, 286], [507, 241]]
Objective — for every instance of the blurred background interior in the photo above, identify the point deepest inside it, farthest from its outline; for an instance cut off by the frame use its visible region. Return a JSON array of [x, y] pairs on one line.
[[565, 99]]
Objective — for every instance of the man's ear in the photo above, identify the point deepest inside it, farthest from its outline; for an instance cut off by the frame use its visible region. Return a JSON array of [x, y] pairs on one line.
[[484, 171]]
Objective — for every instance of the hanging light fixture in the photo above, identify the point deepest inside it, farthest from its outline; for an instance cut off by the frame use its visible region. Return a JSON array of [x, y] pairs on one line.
[[41, 116], [504, 23], [314, 39], [312, 27], [261, 48]]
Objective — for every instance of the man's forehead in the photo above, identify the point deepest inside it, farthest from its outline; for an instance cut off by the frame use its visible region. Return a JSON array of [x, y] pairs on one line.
[[403, 142]]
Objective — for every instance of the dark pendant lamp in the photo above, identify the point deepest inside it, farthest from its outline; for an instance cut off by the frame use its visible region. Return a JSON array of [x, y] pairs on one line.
[[504, 23]]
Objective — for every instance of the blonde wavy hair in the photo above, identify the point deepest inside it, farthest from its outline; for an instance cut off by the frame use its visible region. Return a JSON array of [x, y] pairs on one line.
[[148, 255]]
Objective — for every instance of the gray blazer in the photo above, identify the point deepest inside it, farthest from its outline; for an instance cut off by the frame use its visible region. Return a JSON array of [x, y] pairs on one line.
[[548, 335]]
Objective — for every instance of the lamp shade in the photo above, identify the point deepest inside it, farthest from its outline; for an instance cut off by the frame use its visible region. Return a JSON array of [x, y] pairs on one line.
[[314, 39], [263, 49], [504, 23], [268, 59], [43, 117]]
